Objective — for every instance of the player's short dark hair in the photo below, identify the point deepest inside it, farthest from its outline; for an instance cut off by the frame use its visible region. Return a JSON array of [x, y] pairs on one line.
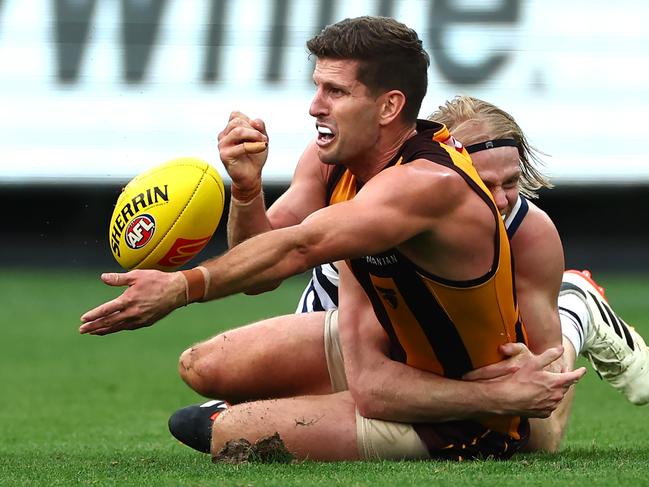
[[390, 54]]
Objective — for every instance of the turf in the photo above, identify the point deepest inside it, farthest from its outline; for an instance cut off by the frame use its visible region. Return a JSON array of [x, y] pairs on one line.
[[93, 410]]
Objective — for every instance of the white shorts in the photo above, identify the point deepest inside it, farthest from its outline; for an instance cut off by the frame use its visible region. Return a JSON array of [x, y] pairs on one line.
[[377, 439]]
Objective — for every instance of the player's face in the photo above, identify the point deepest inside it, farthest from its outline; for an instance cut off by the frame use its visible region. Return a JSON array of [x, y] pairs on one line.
[[345, 112], [499, 170]]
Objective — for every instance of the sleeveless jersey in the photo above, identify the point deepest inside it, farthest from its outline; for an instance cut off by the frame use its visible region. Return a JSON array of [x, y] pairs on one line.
[[321, 292], [443, 326]]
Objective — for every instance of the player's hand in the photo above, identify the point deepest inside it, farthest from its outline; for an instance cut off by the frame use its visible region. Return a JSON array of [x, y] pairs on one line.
[[150, 296], [523, 383], [243, 147], [516, 354]]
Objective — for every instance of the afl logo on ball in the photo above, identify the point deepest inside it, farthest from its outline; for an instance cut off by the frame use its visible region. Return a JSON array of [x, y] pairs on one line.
[[140, 231]]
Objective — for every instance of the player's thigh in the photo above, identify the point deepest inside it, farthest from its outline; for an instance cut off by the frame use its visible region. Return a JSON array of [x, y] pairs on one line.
[[277, 357], [312, 427]]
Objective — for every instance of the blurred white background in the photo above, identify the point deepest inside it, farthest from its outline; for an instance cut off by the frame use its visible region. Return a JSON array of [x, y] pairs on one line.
[[99, 90]]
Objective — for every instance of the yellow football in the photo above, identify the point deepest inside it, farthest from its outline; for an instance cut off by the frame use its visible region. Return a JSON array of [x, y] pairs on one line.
[[166, 215]]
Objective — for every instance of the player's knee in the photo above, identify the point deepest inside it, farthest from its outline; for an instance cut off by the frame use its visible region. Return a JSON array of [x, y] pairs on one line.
[[199, 368], [192, 368]]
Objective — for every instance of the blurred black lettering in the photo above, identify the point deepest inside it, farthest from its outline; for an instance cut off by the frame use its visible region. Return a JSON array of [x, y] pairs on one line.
[[214, 42], [71, 28], [326, 9], [444, 14], [140, 22], [277, 41]]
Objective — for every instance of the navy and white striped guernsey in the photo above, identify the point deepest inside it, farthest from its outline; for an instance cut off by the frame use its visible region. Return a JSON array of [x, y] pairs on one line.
[[321, 293]]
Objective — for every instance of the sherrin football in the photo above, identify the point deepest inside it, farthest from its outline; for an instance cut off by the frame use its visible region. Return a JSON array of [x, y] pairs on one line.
[[166, 215]]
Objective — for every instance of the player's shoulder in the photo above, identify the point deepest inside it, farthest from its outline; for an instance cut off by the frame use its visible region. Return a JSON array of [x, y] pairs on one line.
[[537, 233], [537, 249], [536, 222], [432, 142], [420, 175]]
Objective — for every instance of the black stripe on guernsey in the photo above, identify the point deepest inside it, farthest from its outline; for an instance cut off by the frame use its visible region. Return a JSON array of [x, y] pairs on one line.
[[575, 317], [396, 350], [441, 332], [330, 288], [518, 219], [317, 304], [613, 320]]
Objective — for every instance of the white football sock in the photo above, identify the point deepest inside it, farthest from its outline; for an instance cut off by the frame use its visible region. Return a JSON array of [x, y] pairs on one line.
[[575, 319]]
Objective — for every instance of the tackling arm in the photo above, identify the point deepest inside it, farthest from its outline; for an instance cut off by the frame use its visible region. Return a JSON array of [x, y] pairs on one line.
[[393, 391], [538, 254]]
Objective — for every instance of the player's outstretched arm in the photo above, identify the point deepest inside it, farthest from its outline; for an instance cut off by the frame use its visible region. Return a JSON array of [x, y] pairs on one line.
[[346, 230]]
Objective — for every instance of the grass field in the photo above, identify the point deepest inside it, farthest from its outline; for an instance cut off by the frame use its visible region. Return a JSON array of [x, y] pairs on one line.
[[93, 410]]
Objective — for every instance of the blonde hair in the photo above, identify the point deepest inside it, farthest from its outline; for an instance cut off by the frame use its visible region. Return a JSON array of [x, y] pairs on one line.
[[472, 120]]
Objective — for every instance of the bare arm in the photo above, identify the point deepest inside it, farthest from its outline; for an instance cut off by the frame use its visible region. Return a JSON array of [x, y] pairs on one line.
[[538, 254], [247, 216], [345, 230], [389, 390]]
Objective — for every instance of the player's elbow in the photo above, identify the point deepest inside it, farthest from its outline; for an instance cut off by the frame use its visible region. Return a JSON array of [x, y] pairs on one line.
[[263, 289], [369, 401]]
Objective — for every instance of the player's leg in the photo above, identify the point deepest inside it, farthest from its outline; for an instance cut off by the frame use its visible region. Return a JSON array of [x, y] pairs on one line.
[[616, 351], [546, 434], [591, 328], [278, 357], [312, 427]]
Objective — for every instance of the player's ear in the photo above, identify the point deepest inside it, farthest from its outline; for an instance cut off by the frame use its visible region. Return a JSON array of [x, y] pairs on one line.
[[391, 106]]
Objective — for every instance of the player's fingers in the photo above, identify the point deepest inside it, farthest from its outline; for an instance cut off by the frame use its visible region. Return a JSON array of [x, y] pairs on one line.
[[567, 379], [228, 145], [239, 115], [514, 348], [104, 320], [254, 147], [236, 121], [107, 330], [117, 279], [231, 156], [102, 311], [259, 125], [492, 371], [549, 356]]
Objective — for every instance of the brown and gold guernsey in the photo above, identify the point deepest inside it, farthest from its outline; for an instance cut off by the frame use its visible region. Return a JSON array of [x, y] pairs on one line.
[[435, 324]]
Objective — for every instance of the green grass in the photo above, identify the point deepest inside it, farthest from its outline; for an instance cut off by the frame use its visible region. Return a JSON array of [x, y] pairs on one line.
[[93, 410]]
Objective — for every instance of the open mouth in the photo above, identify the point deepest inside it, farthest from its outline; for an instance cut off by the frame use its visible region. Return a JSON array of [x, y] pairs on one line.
[[325, 135]]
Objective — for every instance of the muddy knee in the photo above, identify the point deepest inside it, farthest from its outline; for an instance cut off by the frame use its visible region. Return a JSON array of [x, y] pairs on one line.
[[191, 370]]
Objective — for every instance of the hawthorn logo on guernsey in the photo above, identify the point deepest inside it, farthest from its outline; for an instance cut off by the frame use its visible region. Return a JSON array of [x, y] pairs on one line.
[[140, 231]]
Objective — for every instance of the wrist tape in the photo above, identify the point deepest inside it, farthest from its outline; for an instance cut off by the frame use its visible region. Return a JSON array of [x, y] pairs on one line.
[[197, 282]]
